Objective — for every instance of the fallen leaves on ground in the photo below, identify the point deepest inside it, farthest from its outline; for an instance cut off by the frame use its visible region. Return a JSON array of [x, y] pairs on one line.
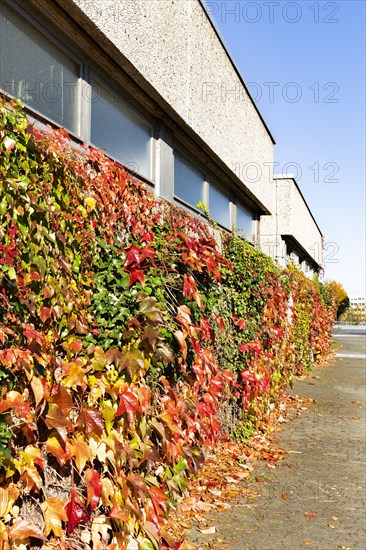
[[221, 482]]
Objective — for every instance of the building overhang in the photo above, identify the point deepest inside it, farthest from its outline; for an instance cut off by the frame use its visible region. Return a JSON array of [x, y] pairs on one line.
[[72, 19], [297, 247], [292, 178]]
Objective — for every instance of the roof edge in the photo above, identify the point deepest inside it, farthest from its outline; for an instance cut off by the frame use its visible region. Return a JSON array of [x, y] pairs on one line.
[[203, 3]]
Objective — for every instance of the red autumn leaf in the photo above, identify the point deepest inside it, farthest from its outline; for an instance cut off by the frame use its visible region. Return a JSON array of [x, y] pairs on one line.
[[311, 514], [278, 333], [31, 333], [76, 346], [92, 421], [75, 513], [34, 275], [93, 487], [256, 347], [147, 237], [206, 330], [211, 263], [45, 313], [136, 275], [129, 404], [228, 376], [147, 253], [216, 386], [220, 322], [133, 256], [189, 286], [159, 499], [241, 324], [244, 348]]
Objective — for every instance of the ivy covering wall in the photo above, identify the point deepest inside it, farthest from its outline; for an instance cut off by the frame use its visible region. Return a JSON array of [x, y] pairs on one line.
[[126, 331]]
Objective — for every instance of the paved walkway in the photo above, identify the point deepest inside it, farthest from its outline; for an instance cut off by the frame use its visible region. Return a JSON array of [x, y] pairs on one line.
[[315, 498]]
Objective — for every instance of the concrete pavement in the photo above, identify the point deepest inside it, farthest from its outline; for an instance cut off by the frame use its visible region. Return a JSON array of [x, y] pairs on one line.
[[315, 498]]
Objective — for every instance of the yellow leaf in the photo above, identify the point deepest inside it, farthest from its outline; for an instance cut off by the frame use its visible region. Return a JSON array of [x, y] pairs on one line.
[[107, 491], [99, 530], [82, 453], [90, 203], [75, 373], [4, 545], [38, 390], [7, 498], [54, 513]]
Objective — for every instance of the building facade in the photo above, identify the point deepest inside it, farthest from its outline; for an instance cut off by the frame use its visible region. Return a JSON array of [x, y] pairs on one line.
[[152, 83], [299, 238]]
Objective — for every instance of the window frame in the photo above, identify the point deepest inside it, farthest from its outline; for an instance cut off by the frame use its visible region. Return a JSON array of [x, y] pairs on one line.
[[179, 151], [93, 69], [93, 74], [40, 27]]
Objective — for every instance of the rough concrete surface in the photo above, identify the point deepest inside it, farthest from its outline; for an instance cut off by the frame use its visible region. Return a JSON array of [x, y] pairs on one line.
[[314, 498]]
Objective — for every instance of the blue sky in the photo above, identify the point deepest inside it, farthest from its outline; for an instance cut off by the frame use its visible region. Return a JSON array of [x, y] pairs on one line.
[[311, 55]]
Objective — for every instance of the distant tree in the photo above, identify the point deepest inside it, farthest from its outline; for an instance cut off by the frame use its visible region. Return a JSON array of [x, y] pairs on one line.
[[341, 296]]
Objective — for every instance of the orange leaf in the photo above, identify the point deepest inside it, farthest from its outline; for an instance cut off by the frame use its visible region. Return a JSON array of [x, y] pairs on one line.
[[15, 401], [82, 453], [75, 346], [62, 398], [38, 389], [182, 343], [311, 514], [22, 529], [45, 313], [54, 447], [57, 419], [54, 513]]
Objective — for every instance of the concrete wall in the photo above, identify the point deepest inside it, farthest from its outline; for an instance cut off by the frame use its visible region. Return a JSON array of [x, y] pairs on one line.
[[174, 46], [294, 218]]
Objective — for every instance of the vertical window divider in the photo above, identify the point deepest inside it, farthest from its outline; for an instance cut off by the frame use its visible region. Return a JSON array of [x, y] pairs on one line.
[[85, 105], [233, 223], [206, 191], [154, 158]]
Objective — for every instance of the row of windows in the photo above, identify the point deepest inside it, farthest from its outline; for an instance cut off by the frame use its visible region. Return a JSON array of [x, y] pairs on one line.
[[55, 83], [192, 187], [305, 266]]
